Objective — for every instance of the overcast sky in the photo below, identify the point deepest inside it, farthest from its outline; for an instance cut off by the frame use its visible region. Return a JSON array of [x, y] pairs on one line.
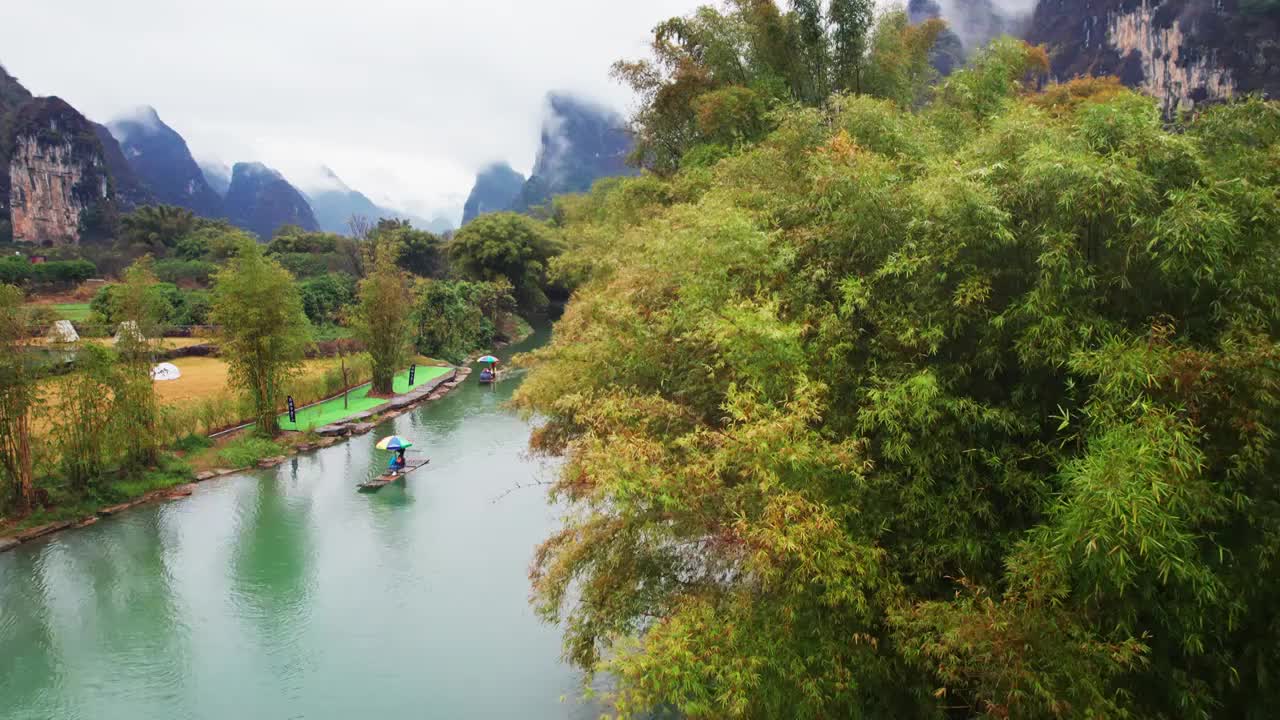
[[404, 99]]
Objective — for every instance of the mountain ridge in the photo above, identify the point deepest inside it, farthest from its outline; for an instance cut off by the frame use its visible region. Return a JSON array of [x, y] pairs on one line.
[[260, 200], [334, 203], [159, 155]]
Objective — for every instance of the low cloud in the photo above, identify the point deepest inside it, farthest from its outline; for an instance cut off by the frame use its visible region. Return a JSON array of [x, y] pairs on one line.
[[405, 101]]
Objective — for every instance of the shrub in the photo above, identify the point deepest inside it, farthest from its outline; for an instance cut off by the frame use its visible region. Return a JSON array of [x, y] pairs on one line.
[[302, 265], [181, 307], [14, 270], [63, 271], [192, 442], [247, 451], [325, 297], [40, 318], [170, 471], [176, 271], [17, 270]]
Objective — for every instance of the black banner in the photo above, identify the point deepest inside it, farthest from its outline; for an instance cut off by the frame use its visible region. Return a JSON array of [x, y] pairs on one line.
[[293, 414], [412, 369]]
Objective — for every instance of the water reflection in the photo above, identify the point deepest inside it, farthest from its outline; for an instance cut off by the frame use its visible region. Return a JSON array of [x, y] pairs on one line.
[[30, 676], [271, 583], [287, 594]]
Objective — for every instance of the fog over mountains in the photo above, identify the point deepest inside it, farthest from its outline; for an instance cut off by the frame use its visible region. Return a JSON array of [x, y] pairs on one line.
[[404, 101], [580, 143], [64, 177]]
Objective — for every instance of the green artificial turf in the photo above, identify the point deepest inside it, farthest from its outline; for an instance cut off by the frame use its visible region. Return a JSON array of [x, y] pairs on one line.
[[358, 400], [75, 312]]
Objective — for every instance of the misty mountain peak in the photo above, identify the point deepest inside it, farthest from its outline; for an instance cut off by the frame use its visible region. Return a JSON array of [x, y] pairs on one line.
[[327, 180], [496, 189], [161, 159], [582, 141], [142, 119], [253, 170], [260, 200]]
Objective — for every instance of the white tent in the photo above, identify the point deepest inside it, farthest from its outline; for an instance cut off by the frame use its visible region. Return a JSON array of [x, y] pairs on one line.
[[129, 329], [63, 332], [165, 371]]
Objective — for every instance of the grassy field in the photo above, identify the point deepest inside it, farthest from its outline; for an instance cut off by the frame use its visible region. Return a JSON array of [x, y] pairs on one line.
[[205, 377], [75, 312]]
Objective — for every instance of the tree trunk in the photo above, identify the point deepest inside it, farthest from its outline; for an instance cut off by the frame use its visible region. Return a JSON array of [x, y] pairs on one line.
[[383, 382], [346, 382], [26, 485]]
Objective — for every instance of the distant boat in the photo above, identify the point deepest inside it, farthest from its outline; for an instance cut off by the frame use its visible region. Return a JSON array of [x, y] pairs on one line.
[[385, 479], [488, 375]]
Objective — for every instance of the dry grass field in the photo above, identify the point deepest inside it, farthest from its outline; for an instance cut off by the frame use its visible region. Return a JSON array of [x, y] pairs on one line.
[[206, 377], [166, 343]]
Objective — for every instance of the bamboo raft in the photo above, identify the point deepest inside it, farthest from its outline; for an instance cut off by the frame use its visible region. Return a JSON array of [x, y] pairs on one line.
[[385, 479]]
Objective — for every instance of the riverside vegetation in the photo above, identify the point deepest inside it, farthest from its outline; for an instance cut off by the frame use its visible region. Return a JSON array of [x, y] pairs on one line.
[[916, 400], [76, 437]]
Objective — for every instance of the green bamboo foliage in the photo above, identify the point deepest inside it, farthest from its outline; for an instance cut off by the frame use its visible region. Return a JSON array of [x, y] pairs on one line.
[[264, 331], [814, 51], [136, 411], [968, 411], [84, 417], [19, 400], [383, 319]]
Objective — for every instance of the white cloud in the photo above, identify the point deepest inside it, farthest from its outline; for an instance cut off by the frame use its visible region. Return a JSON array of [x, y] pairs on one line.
[[404, 99]]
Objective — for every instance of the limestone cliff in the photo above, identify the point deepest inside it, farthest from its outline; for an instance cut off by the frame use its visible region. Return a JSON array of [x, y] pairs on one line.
[[1182, 51], [59, 186], [130, 191], [12, 97]]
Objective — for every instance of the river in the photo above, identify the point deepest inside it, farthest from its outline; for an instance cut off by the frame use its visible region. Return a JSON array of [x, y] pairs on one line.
[[286, 594]]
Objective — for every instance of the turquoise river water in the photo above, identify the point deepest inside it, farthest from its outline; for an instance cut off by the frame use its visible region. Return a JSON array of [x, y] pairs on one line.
[[286, 594]]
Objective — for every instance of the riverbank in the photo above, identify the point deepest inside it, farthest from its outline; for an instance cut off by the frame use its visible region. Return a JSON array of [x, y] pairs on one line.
[[177, 480]]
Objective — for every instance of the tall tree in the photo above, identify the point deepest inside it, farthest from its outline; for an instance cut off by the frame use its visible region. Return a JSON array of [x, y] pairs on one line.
[[18, 399], [383, 317], [420, 252], [507, 246], [263, 331], [815, 51], [142, 310], [898, 63], [84, 419], [850, 25], [156, 228]]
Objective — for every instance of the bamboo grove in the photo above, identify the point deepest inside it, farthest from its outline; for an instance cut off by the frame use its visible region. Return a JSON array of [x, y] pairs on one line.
[[923, 403]]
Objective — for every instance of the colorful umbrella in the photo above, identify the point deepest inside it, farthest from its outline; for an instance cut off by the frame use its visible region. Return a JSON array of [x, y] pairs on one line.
[[393, 442], [488, 359]]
